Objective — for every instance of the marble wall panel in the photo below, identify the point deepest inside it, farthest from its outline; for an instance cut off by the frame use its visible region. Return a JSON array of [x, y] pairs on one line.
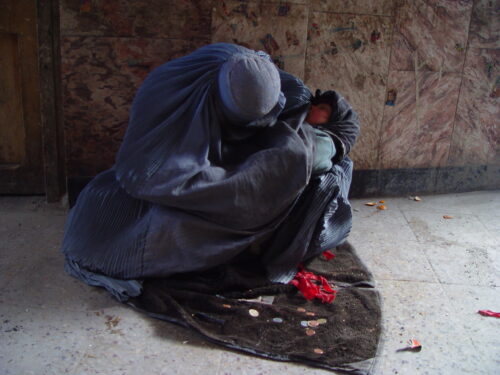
[[372, 7], [485, 24], [350, 54], [476, 136], [100, 76], [417, 129], [145, 18], [431, 35], [280, 29]]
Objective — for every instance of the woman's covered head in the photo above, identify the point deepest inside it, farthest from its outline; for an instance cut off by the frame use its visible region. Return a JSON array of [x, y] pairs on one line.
[[249, 86]]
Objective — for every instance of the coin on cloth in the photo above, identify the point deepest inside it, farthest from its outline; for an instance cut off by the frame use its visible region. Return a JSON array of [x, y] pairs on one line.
[[310, 332], [253, 313]]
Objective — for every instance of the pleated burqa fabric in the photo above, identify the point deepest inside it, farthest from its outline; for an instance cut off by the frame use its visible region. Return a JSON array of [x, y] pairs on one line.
[[192, 188]]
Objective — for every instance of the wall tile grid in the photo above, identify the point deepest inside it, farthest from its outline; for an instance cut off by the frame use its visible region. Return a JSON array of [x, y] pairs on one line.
[[350, 53], [424, 79], [422, 74], [476, 136]]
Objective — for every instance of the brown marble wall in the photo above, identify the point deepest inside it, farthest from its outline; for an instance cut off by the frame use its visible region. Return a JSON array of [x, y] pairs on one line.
[[423, 74], [107, 49]]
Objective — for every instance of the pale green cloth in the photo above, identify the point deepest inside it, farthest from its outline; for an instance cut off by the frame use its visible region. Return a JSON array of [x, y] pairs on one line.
[[325, 151]]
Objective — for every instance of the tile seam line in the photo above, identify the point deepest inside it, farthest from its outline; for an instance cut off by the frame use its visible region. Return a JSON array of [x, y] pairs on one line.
[[436, 276], [352, 14], [409, 226], [462, 77], [384, 108], [197, 39], [456, 315]]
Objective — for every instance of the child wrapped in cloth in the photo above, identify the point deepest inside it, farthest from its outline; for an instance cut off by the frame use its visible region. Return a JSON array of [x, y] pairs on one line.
[[217, 160]]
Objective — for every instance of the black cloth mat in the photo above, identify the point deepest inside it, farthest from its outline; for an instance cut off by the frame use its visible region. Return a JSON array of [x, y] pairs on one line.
[[216, 304]]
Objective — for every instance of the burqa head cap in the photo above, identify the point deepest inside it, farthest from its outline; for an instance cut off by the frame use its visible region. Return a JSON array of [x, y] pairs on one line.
[[249, 86]]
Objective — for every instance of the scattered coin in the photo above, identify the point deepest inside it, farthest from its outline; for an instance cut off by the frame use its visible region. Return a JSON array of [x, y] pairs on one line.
[[313, 323], [310, 313], [301, 309], [277, 320], [321, 321], [253, 313], [310, 332], [318, 351], [303, 323], [226, 306]]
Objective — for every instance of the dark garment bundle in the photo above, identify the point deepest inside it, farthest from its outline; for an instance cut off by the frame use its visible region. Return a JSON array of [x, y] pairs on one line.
[[192, 190]]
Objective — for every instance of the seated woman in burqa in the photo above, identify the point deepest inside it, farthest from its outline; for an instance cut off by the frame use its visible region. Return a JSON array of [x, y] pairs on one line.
[[218, 161]]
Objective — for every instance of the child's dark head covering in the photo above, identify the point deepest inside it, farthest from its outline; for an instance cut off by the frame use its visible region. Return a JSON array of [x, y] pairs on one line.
[[343, 124], [328, 97]]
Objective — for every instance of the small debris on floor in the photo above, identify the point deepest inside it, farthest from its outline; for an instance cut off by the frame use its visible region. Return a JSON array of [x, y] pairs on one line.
[[382, 207], [310, 313], [277, 320], [301, 309], [413, 346], [321, 321], [371, 204], [381, 201], [319, 351], [447, 217], [313, 323], [304, 323], [226, 306], [415, 198], [489, 313], [112, 321]]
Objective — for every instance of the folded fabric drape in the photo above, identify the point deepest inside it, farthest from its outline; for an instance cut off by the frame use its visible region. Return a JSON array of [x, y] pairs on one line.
[[201, 178]]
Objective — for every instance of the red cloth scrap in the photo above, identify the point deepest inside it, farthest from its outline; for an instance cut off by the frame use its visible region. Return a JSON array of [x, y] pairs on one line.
[[489, 313], [313, 286], [328, 255]]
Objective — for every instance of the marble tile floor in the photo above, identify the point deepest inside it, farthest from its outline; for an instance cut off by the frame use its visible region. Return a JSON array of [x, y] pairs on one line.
[[434, 274]]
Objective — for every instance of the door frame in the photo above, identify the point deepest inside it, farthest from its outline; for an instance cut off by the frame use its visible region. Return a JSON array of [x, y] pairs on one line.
[[52, 123]]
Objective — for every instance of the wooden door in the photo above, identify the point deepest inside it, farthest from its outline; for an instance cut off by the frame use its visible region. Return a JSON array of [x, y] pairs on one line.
[[21, 158]]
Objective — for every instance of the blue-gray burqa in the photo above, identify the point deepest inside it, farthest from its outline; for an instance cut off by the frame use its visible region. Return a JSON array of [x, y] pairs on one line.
[[217, 160]]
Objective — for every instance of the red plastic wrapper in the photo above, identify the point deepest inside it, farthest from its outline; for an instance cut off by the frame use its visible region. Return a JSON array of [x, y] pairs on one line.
[[313, 286], [328, 255], [489, 313]]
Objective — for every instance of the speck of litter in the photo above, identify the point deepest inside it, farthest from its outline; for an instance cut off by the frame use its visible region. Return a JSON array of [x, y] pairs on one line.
[[313, 323], [322, 321], [301, 309], [318, 351], [304, 323], [310, 313], [277, 320], [253, 313]]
